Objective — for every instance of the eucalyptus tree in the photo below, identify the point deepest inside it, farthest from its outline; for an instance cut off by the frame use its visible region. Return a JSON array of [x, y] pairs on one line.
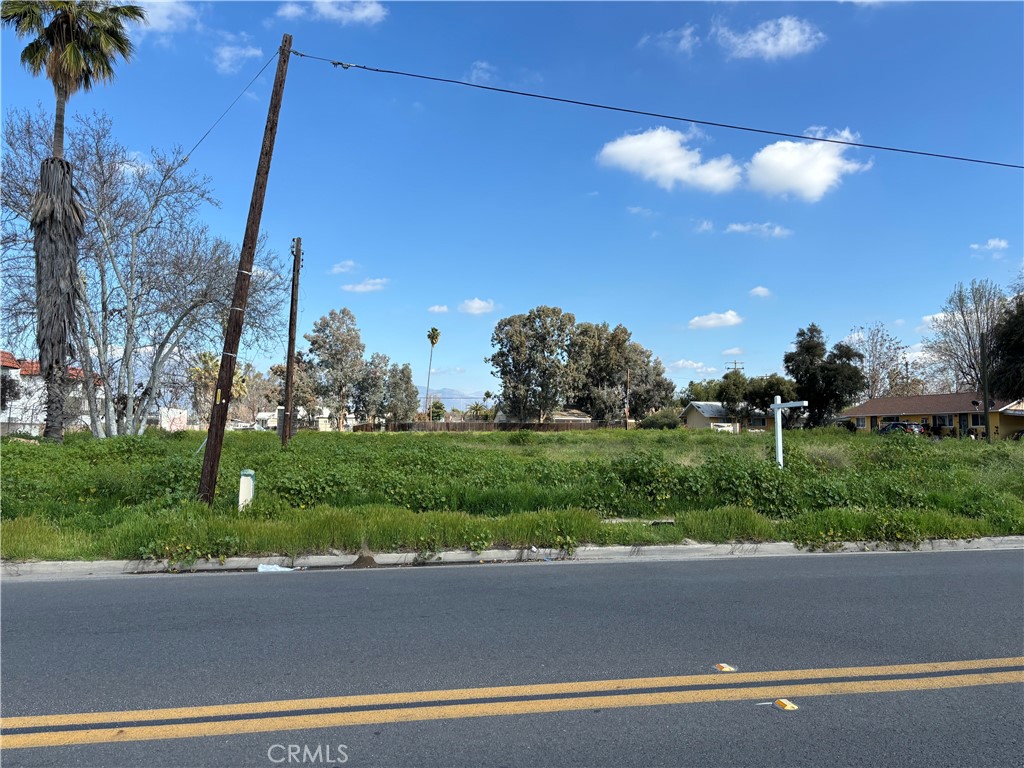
[[402, 399], [369, 392], [532, 361], [306, 393], [75, 43], [337, 348]]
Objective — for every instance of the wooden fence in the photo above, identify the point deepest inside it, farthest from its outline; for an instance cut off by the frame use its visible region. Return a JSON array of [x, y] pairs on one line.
[[487, 426]]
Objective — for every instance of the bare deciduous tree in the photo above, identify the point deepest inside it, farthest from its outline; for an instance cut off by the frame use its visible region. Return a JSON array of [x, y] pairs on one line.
[[886, 364], [75, 44], [955, 343], [155, 282]]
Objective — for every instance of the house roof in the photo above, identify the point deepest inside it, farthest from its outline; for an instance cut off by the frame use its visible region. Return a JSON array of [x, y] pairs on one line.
[[570, 413], [7, 360], [920, 405], [709, 410], [1016, 408], [31, 368]]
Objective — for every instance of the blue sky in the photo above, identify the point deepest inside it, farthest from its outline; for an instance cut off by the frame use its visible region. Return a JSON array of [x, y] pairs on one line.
[[710, 245]]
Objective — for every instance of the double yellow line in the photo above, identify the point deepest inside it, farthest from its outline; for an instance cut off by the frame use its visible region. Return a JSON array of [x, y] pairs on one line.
[[340, 711]]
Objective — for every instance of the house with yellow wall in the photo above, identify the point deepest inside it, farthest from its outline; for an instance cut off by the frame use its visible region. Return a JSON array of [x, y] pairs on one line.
[[958, 413]]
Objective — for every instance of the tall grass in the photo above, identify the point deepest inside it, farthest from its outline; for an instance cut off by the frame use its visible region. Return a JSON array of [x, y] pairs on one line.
[[126, 497]]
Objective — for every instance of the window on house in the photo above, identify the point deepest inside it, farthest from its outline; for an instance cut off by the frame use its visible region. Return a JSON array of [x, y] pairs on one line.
[[862, 422], [944, 419], [758, 421], [977, 419]]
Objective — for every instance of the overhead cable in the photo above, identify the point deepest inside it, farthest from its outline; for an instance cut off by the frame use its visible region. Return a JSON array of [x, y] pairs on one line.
[[660, 116]]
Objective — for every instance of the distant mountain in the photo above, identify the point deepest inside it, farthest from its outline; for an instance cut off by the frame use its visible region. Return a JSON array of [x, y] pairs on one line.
[[452, 398]]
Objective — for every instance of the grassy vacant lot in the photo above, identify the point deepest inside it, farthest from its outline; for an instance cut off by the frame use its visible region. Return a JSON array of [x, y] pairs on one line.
[[134, 497]]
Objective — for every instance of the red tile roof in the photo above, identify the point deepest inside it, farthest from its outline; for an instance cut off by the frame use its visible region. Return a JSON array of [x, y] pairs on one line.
[[7, 360], [31, 368], [920, 405]]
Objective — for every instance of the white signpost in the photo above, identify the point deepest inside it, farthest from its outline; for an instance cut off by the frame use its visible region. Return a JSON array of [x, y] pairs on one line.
[[777, 408]]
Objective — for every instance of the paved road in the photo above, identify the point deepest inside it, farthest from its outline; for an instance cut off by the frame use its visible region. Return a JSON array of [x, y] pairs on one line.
[[651, 632]]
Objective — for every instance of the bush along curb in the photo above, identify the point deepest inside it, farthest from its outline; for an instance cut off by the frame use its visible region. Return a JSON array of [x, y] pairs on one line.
[[58, 570]]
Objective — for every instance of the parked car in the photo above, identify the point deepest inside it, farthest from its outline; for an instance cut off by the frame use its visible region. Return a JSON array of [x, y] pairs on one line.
[[901, 427]]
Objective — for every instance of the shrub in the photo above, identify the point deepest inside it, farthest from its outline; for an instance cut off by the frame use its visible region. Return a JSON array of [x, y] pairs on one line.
[[666, 418]]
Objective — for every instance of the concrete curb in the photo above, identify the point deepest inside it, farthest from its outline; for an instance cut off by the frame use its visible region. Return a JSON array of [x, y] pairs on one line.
[[67, 570]]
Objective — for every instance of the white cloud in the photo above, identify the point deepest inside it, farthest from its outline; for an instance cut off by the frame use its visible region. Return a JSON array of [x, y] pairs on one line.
[[808, 169], [165, 18], [928, 322], [368, 285], [136, 162], [716, 320], [760, 291], [291, 11], [476, 306], [347, 12], [780, 38], [993, 244], [682, 40], [228, 59], [765, 230], [732, 351], [661, 155], [438, 308], [343, 266], [916, 352], [690, 365], [637, 210], [481, 73], [704, 225], [899, 322]]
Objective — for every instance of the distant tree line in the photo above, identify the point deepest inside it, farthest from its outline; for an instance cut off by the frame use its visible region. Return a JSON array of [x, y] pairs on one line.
[[546, 361], [334, 374]]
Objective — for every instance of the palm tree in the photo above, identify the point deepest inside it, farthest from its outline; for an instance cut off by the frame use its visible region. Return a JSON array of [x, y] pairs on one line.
[[75, 43], [433, 336]]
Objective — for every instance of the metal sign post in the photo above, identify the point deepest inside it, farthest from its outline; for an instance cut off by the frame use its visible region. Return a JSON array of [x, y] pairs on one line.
[[777, 408]]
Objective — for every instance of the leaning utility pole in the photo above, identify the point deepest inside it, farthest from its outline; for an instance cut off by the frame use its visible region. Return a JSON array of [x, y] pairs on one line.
[[289, 377], [236, 314]]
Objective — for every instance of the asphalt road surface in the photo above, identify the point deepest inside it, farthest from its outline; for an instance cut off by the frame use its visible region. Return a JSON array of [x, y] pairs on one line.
[[902, 659]]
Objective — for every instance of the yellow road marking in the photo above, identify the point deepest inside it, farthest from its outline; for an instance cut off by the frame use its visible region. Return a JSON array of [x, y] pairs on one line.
[[543, 689], [482, 708]]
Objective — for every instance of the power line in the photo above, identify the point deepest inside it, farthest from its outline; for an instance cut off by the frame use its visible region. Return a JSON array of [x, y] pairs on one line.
[[660, 116], [232, 104]]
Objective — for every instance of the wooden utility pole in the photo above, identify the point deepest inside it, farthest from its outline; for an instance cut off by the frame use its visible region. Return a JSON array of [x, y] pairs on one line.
[[236, 314], [289, 378], [984, 386]]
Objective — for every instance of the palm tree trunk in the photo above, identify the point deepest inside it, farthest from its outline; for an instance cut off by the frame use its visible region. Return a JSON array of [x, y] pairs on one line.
[[58, 123], [57, 225], [426, 400]]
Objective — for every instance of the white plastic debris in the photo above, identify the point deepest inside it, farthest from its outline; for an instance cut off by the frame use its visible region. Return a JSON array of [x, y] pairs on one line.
[[265, 568]]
